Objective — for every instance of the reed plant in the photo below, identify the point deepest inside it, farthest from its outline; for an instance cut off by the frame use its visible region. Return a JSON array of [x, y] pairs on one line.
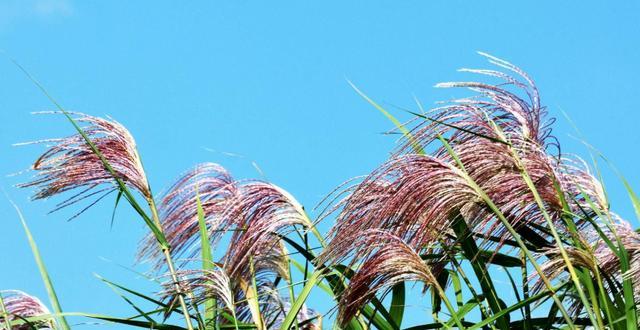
[[476, 189]]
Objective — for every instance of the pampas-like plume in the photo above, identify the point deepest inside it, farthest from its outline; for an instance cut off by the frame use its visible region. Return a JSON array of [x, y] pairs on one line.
[[255, 212], [498, 136], [599, 257], [556, 266], [214, 186], [71, 164], [411, 196], [609, 262], [390, 261], [20, 306], [494, 145], [203, 284], [260, 211]]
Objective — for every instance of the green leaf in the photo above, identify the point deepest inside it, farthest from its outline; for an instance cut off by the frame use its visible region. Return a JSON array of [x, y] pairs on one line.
[[135, 323], [321, 285], [471, 251], [43, 270], [382, 319], [207, 263], [128, 301], [302, 297], [458, 128], [499, 259], [516, 306], [436, 300], [416, 146], [396, 310], [115, 207], [462, 312]]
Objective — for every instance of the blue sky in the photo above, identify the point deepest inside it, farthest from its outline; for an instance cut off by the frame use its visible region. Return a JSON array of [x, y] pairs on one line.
[[267, 81]]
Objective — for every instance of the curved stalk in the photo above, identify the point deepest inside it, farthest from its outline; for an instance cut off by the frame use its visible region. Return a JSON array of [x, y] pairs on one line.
[[170, 265]]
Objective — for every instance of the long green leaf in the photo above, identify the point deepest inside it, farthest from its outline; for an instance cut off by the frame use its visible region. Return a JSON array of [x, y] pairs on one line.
[[462, 312], [396, 310], [516, 306], [207, 263], [416, 146], [337, 286], [471, 252], [302, 297], [128, 301], [53, 297]]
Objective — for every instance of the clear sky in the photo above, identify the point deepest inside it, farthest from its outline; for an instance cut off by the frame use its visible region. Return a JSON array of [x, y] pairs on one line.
[[194, 81]]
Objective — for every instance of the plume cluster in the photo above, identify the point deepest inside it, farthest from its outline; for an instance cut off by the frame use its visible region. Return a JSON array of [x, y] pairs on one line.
[[485, 159], [178, 210], [601, 255], [250, 213], [70, 164], [452, 159]]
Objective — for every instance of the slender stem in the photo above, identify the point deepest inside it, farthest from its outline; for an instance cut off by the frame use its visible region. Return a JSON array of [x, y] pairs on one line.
[[170, 265], [448, 304], [525, 292], [602, 293], [292, 296]]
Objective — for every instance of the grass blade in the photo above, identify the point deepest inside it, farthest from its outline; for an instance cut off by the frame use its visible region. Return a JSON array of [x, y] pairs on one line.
[[207, 263], [291, 316], [397, 303], [53, 297], [471, 251], [416, 146]]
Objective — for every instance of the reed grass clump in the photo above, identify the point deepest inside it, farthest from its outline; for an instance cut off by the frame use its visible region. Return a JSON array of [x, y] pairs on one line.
[[477, 189]]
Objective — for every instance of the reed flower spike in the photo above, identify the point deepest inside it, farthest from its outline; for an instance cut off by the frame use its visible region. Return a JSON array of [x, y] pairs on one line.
[[69, 164], [214, 186]]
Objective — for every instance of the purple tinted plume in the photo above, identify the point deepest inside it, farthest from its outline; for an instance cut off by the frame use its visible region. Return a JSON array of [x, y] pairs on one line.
[[390, 261], [260, 211], [20, 305], [70, 164], [410, 196], [202, 285], [498, 134], [179, 212]]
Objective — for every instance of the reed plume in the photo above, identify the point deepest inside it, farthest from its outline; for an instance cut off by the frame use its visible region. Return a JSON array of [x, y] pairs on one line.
[[214, 186], [390, 261], [19, 306], [69, 164]]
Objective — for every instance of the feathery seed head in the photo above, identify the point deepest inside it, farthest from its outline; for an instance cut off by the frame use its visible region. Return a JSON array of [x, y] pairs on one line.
[[178, 211], [19, 306], [71, 164], [389, 261]]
